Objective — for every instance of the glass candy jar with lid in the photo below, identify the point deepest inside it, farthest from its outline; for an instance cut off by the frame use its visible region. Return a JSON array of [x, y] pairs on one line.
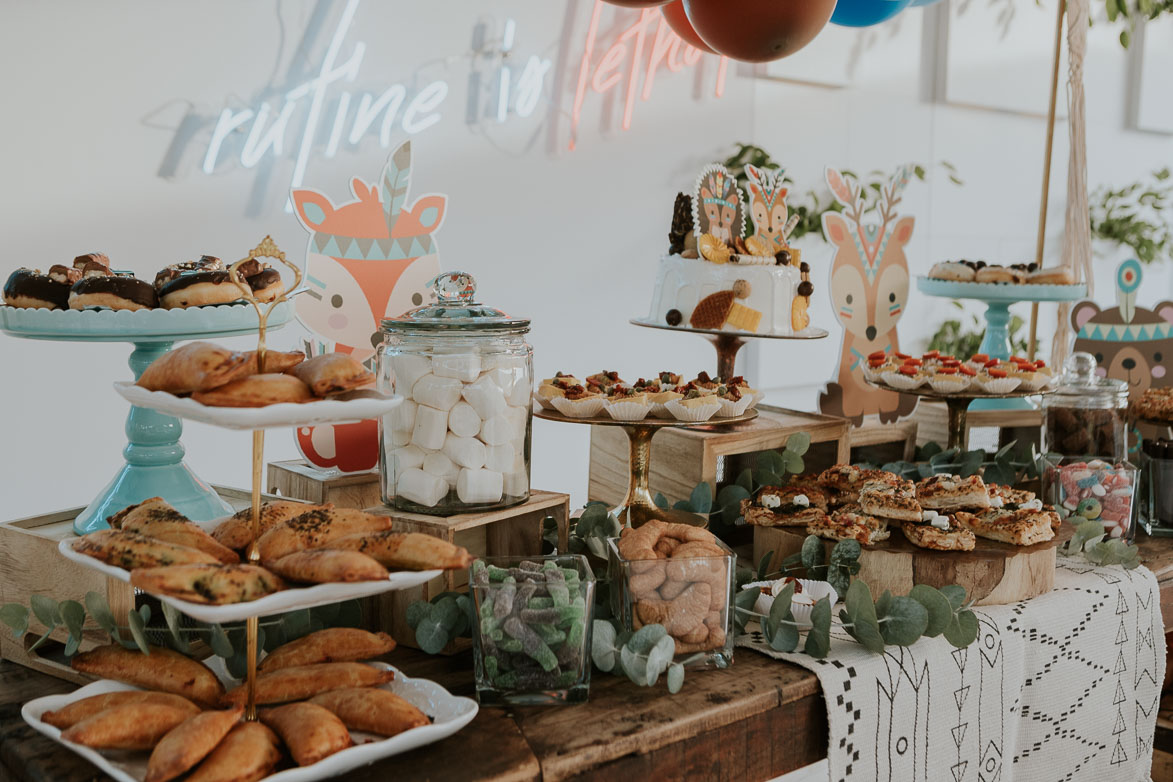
[[1085, 416], [460, 441]]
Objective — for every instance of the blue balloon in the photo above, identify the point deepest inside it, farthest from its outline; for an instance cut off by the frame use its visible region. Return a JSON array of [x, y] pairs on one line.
[[919, 3], [865, 13]]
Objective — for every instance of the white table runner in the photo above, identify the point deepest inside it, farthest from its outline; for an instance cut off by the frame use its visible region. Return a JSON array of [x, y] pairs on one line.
[[1062, 687]]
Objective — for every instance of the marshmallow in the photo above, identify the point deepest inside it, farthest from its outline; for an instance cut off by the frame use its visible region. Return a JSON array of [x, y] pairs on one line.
[[499, 457], [485, 396], [461, 366], [519, 395], [402, 418], [398, 438], [438, 392], [442, 467], [516, 483], [407, 458], [498, 430], [465, 451], [407, 369], [463, 420], [421, 487], [518, 417], [479, 486], [431, 426]]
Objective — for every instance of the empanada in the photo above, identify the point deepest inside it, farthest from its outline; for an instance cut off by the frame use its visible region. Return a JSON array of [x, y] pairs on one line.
[[373, 710], [247, 754], [77, 711], [317, 528], [325, 566], [208, 584], [334, 644], [303, 681], [275, 360], [130, 550], [256, 391], [236, 531], [156, 518], [129, 726], [310, 731], [332, 373], [196, 366], [189, 743], [406, 550], [163, 669]]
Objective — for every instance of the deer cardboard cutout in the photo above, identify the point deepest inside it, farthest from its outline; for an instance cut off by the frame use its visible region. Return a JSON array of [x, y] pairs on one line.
[[869, 290], [367, 259], [1130, 343]]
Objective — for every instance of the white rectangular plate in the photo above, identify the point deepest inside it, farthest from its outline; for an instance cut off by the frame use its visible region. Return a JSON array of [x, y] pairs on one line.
[[449, 713], [348, 407]]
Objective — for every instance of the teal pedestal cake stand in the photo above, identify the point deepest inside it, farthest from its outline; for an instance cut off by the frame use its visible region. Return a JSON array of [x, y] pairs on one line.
[[153, 455], [998, 297]]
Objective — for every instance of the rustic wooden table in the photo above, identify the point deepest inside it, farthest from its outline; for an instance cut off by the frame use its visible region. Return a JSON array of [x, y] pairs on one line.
[[754, 721]]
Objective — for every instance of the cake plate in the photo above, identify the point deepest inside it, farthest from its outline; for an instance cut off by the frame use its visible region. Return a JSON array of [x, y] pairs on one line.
[[728, 343], [958, 404], [153, 455], [638, 507], [998, 296]]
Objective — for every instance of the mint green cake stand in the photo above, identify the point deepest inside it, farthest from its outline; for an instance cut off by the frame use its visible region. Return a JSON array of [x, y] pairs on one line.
[[153, 455]]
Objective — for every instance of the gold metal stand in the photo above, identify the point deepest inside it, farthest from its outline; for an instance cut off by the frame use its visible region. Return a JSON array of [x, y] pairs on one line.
[[728, 343]]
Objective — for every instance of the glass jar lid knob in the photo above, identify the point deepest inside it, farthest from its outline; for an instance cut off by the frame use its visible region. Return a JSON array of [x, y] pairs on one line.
[[454, 288], [1082, 367]]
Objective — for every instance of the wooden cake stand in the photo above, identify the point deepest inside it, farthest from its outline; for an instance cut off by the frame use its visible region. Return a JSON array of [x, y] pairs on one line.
[[728, 343]]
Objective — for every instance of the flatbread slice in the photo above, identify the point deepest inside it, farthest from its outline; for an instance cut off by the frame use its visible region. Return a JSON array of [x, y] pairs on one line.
[[951, 492], [1017, 527], [787, 506], [956, 538], [850, 525], [849, 479], [1008, 498], [890, 500]]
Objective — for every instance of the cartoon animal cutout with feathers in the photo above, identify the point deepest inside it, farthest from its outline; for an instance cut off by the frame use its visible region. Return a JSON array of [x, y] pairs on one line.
[[767, 206]]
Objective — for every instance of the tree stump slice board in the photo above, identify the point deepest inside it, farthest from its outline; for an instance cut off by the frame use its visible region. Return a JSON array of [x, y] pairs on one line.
[[993, 573]]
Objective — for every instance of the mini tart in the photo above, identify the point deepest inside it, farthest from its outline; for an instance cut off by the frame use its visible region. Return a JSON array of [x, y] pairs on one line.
[[266, 284], [585, 406], [660, 402], [696, 409], [904, 379], [116, 293], [628, 408], [1029, 379], [733, 402], [32, 290], [948, 382], [201, 289], [997, 381]]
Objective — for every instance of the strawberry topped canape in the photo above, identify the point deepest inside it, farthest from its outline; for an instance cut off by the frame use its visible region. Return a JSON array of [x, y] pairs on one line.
[[997, 380], [905, 377]]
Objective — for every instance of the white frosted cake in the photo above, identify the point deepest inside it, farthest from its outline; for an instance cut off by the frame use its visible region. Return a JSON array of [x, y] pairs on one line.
[[718, 276]]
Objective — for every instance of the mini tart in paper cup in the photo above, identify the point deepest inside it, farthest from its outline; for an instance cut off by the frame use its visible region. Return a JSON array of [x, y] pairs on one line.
[[628, 408], [660, 403], [876, 374], [992, 384], [694, 410], [546, 394], [1031, 380], [730, 408], [585, 407], [904, 382], [948, 383]]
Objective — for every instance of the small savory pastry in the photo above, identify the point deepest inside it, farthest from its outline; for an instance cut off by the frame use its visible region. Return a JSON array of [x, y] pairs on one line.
[[208, 584], [1002, 496], [949, 492], [236, 531], [786, 506], [196, 366], [555, 387], [189, 743], [938, 533], [316, 529], [247, 754], [163, 669], [270, 388], [201, 289], [1019, 527], [326, 566], [68, 716], [332, 373], [275, 360], [156, 518], [952, 271], [1060, 275], [890, 500], [115, 292], [30, 289], [129, 726], [372, 710], [847, 479], [332, 645], [850, 524], [311, 732], [130, 550], [406, 550], [299, 682]]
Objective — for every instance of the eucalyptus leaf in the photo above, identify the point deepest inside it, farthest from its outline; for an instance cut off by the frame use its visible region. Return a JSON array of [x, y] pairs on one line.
[[955, 594], [642, 641], [144, 611], [634, 666], [814, 557], [171, 616], [138, 630], [701, 498], [818, 638], [16, 617], [218, 640], [46, 610], [73, 615], [780, 609], [743, 602], [326, 614], [745, 480], [431, 634], [660, 500], [1004, 451], [72, 644], [928, 450], [793, 463], [597, 547], [865, 628], [44, 637], [798, 443], [417, 611], [447, 612], [940, 611], [730, 497], [767, 478], [764, 565], [99, 611], [660, 657], [905, 621], [683, 505], [883, 604], [962, 630], [603, 645], [844, 563], [467, 614], [675, 677], [999, 473], [297, 623]]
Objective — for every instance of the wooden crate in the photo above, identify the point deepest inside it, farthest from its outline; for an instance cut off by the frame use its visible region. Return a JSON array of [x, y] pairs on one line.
[[515, 531], [299, 480], [932, 418], [682, 458], [889, 442]]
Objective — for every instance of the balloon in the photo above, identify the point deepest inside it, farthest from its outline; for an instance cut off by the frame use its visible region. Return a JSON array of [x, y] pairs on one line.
[[638, 3], [920, 3], [758, 30], [674, 15], [865, 13]]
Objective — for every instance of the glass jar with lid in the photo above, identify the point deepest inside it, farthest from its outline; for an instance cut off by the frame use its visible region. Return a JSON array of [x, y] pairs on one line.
[[1085, 416], [460, 442]]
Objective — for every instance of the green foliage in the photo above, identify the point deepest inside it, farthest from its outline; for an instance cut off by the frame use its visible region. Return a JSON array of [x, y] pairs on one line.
[[1001, 466], [589, 533], [1090, 541], [1133, 12], [963, 339], [446, 616], [640, 656], [1136, 216]]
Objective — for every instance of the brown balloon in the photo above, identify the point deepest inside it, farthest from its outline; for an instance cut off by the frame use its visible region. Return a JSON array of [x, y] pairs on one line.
[[638, 3], [676, 19], [779, 27]]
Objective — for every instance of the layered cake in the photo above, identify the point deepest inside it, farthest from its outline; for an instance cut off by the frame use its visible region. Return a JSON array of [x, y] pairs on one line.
[[719, 275]]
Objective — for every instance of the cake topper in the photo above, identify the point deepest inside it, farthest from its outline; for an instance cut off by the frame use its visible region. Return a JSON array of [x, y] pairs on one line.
[[767, 206], [718, 205]]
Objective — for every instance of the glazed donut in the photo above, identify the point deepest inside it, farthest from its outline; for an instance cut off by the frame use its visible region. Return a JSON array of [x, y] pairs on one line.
[[206, 263], [67, 274], [998, 274], [115, 292], [953, 271], [266, 284], [30, 289], [200, 289], [1058, 276]]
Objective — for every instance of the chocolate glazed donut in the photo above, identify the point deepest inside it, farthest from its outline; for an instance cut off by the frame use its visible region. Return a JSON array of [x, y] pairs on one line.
[[266, 284], [115, 292], [33, 290], [200, 289]]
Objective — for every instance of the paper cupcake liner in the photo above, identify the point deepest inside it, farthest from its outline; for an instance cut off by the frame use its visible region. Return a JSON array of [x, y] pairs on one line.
[[874, 375], [944, 384], [692, 414], [660, 410], [903, 382], [545, 401], [1032, 381], [731, 409], [587, 407], [998, 385], [624, 410]]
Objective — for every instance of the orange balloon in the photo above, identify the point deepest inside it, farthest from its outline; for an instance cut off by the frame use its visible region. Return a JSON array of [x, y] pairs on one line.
[[758, 30], [674, 15]]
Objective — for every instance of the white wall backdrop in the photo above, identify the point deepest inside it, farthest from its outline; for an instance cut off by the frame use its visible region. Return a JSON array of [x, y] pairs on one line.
[[110, 108]]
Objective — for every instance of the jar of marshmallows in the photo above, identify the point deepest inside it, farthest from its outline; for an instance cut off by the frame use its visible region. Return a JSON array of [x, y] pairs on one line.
[[460, 441]]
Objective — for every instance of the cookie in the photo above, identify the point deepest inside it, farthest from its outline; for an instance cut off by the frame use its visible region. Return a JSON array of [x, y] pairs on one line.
[[712, 311]]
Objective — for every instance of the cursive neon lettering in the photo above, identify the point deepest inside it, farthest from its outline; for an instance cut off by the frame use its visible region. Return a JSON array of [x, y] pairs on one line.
[[425, 100], [227, 122]]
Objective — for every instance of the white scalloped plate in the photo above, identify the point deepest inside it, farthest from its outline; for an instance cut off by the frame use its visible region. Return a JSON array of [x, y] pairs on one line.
[[449, 714], [155, 325], [348, 407]]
